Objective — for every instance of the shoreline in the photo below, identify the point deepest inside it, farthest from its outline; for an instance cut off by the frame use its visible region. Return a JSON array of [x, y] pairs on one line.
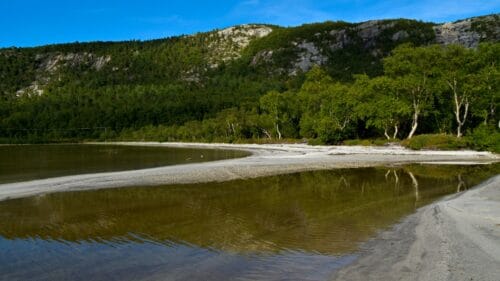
[[265, 160], [455, 238]]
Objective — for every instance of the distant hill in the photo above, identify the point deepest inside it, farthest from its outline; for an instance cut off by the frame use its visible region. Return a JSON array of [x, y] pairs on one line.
[[174, 80]]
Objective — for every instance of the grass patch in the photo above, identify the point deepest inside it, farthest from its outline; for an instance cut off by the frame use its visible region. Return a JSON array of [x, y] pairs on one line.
[[436, 141], [369, 142], [485, 137]]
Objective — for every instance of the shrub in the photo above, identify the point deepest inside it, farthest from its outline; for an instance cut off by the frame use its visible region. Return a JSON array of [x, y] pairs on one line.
[[485, 138], [436, 141]]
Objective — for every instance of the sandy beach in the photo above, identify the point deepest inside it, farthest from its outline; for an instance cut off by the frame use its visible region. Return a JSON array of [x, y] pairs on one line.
[[265, 160], [457, 238]]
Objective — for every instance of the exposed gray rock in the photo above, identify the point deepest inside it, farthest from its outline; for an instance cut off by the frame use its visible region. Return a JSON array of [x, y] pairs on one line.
[[370, 30], [262, 56], [33, 90], [376, 52], [469, 32], [340, 39], [231, 41], [400, 35], [100, 62], [191, 75], [457, 33], [242, 34], [309, 56], [51, 62]]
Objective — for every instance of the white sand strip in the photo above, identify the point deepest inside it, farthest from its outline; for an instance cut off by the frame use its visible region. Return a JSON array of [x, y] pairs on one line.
[[265, 160]]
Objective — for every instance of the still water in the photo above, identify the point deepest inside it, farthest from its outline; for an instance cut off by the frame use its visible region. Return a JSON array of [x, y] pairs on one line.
[[29, 162], [301, 226]]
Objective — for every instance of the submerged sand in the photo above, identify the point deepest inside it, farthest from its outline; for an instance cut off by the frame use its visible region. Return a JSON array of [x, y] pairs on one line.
[[265, 160]]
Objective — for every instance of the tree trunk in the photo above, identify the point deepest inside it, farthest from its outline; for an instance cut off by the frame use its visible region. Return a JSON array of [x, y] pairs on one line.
[[278, 131], [385, 134], [414, 123], [459, 103], [461, 120], [395, 131], [267, 134], [233, 129]]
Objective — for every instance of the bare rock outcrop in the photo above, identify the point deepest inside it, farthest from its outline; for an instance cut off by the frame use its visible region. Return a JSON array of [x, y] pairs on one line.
[[229, 42], [457, 33], [469, 32], [369, 31], [309, 56], [50, 63]]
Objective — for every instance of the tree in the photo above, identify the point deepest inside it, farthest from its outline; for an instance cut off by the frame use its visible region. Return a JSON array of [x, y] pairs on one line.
[[336, 113], [414, 72], [273, 104], [311, 96], [327, 107], [381, 105], [456, 72], [486, 66]]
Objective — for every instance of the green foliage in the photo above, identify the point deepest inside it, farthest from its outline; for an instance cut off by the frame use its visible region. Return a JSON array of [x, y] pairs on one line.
[[382, 107], [435, 141], [486, 65], [417, 33], [17, 70], [195, 88], [284, 37], [486, 137]]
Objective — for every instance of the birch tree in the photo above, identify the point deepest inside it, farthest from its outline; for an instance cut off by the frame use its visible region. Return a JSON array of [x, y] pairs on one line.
[[456, 72], [487, 75], [272, 104], [336, 113], [382, 107], [414, 71]]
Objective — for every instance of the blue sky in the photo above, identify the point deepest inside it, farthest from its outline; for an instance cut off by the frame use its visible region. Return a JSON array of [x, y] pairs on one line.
[[38, 22]]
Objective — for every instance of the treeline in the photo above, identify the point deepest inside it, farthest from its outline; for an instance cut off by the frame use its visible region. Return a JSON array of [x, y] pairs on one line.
[[424, 90], [418, 91]]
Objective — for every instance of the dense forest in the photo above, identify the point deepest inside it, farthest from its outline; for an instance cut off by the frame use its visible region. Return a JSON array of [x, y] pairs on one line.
[[334, 82]]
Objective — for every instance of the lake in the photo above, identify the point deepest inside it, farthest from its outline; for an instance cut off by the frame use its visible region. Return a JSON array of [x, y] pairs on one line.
[[29, 162], [300, 226]]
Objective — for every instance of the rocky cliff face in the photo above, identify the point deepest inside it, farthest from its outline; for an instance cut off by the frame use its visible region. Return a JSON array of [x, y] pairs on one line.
[[229, 42], [48, 65], [469, 32], [373, 36], [51, 62]]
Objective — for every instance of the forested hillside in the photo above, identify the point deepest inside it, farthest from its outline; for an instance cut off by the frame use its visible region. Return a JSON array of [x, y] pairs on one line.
[[325, 82]]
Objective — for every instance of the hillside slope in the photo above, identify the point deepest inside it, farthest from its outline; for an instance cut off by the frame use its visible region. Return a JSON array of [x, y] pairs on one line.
[[175, 80]]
